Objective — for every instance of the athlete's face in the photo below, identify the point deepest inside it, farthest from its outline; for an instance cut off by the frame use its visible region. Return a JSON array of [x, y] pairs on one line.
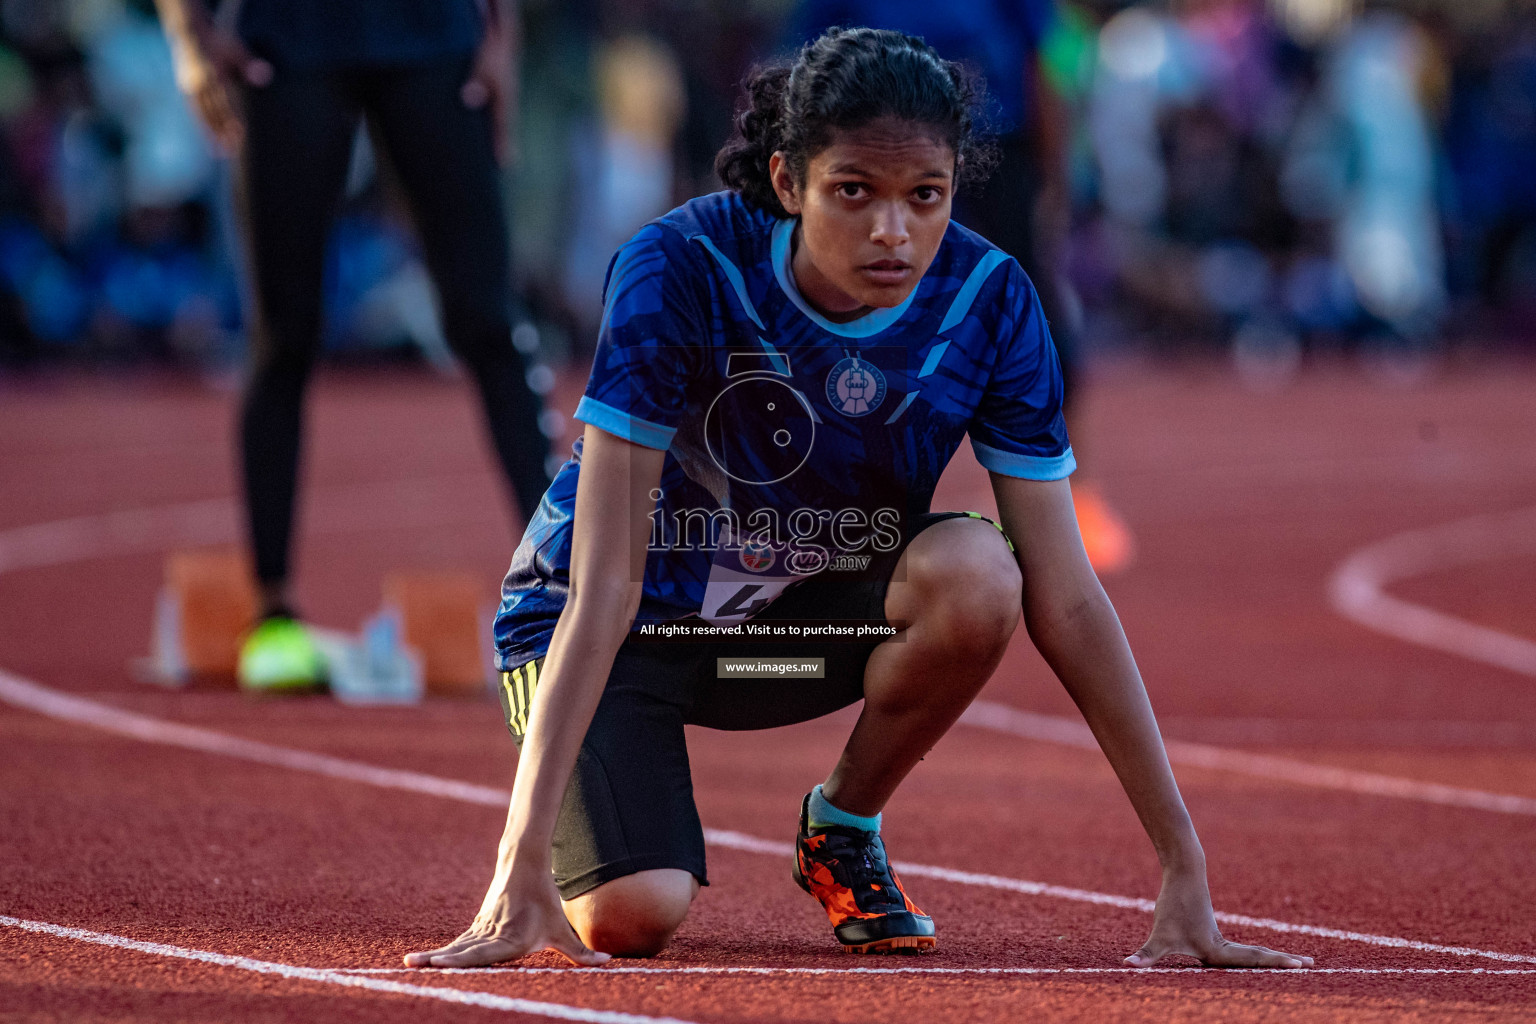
[[872, 211]]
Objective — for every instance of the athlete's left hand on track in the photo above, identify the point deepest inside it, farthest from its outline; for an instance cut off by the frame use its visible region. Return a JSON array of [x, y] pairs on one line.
[[1185, 925]]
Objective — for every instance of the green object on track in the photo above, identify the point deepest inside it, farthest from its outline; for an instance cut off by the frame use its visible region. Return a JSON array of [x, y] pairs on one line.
[[280, 656]]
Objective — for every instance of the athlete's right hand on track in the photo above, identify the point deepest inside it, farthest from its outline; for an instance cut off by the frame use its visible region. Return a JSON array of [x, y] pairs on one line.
[[209, 61], [1184, 924], [520, 917]]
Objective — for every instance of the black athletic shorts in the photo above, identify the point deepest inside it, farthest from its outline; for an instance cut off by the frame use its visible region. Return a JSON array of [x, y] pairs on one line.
[[629, 805]]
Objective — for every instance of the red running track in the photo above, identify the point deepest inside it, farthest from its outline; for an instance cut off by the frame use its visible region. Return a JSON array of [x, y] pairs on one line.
[[252, 887]]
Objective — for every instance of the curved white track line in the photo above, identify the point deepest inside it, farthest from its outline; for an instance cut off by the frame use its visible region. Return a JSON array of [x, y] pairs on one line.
[[45, 701], [466, 997], [1357, 590]]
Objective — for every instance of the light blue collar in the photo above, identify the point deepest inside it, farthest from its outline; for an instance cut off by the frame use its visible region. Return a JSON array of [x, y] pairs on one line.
[[870, 323]]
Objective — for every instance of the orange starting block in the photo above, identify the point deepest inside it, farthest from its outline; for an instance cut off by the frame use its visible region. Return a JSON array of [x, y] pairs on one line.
[[206, 606], [432, 633], [444, 616]]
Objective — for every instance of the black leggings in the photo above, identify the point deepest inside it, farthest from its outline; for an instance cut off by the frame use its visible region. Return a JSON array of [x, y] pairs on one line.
[[292, 171]]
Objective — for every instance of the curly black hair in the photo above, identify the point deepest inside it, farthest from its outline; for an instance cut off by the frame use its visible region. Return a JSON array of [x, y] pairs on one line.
[[845, 79]]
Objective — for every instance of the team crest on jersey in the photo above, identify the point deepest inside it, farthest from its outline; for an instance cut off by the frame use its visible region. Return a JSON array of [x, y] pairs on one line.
[[855, 388], [756, 557]]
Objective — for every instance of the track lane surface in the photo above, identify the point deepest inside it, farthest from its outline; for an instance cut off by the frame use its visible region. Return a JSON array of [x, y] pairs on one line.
[[1028, 810], [20, 693]]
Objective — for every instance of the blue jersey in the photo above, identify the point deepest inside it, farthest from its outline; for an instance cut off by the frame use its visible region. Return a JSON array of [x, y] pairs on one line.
[[794, 444]]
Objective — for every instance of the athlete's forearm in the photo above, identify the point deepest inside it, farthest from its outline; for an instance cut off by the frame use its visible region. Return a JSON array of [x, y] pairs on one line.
[[609, 531], [581, 654], [1086, 647]]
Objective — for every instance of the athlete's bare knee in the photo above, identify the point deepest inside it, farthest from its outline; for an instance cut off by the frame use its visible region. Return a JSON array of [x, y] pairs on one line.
[[970, 584], [633, 916]]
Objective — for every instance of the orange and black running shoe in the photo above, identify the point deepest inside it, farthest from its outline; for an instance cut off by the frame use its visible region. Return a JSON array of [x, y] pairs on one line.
[[846, 870]]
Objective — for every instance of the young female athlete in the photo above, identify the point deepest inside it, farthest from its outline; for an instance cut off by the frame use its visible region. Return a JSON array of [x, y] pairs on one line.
[[783, 372]]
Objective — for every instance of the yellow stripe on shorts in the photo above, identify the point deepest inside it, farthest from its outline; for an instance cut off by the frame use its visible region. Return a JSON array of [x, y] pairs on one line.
[[511, 685], [520, 684], [530, 684]]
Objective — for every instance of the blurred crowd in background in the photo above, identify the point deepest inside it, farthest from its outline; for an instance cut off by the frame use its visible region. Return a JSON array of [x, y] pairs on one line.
[[1270, 176]]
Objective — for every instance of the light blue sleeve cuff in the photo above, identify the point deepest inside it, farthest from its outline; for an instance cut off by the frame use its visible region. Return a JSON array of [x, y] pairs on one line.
[[1026, 467], [622, 424]]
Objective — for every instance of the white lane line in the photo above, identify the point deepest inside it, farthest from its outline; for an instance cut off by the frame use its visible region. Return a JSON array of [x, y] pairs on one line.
[[117, 533], [395, 504], [486, 1000], [752, 844], [1052, 729], [1188, 971], [1344, 734], [213, 521], [1341, 735], [43, 700], [1357, 590], [34, 697]]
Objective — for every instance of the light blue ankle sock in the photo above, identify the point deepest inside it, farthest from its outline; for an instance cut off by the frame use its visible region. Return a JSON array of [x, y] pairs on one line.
[[822, 813]]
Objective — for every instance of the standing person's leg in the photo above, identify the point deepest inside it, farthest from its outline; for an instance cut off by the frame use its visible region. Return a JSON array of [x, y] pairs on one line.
[[444, 155], [289, 179]]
